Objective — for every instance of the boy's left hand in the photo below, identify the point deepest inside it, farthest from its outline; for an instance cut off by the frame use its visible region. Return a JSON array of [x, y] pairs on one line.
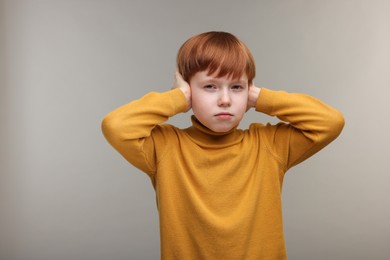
[[253, 95]]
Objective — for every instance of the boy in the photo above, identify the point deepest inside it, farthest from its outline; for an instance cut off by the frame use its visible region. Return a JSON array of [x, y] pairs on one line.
[[219, 188]]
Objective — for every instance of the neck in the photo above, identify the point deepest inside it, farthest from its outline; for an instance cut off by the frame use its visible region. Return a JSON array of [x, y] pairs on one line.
[[206, 137]]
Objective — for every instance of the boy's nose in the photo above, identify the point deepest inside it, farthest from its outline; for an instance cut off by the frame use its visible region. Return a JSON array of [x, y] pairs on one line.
[[224, 99]]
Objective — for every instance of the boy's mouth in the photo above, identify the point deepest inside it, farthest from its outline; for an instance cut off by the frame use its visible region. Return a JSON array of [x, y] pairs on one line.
[[224, 115]]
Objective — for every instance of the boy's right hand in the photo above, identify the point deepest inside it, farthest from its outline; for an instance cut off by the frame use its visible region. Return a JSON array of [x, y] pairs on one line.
[[184, 87]]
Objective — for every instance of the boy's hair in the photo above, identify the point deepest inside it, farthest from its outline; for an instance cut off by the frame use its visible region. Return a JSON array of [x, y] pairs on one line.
[[215, 51]]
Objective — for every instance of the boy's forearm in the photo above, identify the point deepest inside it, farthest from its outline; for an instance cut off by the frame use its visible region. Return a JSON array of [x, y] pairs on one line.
[[137, 119], [306, 113]]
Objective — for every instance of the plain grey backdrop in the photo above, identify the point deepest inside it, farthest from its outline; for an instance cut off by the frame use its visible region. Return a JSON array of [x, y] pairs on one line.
[[66, 194]]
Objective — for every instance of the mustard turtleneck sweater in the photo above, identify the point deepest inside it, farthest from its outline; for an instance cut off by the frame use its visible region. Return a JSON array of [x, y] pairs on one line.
[[219, 194]]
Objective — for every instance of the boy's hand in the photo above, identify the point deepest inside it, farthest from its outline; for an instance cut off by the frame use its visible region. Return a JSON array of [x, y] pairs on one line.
[[184, 87], [253, 95]]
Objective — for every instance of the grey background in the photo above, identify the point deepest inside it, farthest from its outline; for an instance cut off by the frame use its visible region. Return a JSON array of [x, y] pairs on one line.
[[66, 194]]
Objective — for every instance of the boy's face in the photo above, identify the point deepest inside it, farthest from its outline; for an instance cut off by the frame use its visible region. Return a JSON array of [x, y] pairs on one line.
[[219, 103]]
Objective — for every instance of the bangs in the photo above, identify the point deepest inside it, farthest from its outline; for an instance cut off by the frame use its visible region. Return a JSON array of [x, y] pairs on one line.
[[217, 52]]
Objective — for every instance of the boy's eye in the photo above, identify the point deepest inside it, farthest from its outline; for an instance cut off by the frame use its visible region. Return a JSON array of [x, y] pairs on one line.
[[237, 87], [209, 86]]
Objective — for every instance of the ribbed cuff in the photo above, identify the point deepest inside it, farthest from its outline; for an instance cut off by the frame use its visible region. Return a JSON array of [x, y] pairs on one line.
[[264, 103], [179, 100]]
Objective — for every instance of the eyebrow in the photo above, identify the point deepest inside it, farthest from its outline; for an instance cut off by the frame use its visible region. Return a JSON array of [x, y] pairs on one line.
[[216, 80]]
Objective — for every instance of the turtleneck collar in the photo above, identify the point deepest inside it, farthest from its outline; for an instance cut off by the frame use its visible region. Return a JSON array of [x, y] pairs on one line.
[[205, 137]]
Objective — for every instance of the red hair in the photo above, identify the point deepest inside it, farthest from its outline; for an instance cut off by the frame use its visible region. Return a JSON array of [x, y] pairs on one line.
[[219, 52]]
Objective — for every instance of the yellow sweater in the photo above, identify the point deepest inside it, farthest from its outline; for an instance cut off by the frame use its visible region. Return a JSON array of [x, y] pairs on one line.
[[219, 195]]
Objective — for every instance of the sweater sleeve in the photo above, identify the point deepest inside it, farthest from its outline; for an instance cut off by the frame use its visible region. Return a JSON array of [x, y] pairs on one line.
[[309, 125], [129, 128]]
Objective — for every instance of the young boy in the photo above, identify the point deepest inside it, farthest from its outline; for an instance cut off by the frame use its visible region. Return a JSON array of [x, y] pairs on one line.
[[218, 187]]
